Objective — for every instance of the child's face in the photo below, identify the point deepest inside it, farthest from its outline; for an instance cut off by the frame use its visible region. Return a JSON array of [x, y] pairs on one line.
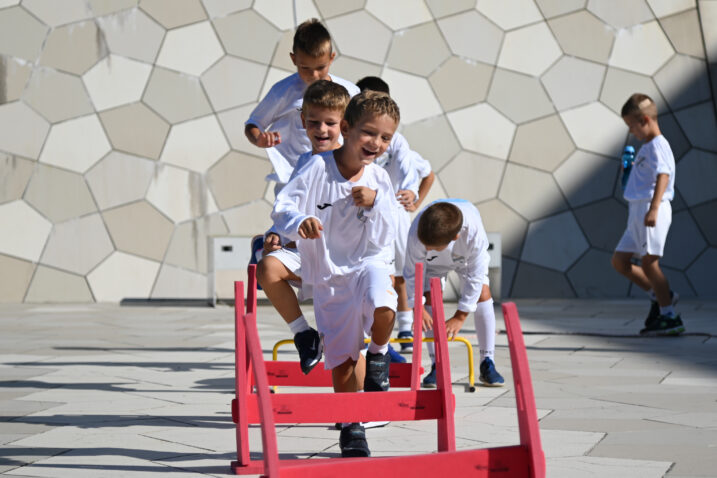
[[323, 127], [639, 126], [312, 69], [368, 139]]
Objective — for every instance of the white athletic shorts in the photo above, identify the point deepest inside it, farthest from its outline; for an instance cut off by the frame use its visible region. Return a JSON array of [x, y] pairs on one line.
[[344, 310], [292, 260], [399, 245], [640, 239]]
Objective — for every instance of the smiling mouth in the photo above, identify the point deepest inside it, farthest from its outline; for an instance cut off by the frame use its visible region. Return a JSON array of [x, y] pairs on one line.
[[366, 152]]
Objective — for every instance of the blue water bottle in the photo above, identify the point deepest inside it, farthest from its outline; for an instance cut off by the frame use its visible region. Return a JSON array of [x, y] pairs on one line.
[[628, 157]]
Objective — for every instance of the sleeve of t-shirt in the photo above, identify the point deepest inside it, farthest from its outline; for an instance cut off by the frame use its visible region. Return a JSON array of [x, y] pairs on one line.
[[266, 111], [423, 167], [663, 158], [415, 252], [403, 156], [382, 215], [474, 272], [288, 212]]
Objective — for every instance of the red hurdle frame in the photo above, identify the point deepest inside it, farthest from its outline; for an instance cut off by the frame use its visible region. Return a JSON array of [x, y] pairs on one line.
[[260, 406]]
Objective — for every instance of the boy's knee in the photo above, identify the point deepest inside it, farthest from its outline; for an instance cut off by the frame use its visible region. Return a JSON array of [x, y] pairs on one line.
[[620, 263], [267, 270]]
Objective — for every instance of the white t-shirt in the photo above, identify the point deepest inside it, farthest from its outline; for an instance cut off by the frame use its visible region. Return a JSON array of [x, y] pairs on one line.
[[467, 255], [398, 163], [280, 111], [352, 236], [653, 158], [423, 167]]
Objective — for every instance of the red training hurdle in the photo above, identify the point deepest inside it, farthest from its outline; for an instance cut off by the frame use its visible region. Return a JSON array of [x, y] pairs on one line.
[[255, 404]]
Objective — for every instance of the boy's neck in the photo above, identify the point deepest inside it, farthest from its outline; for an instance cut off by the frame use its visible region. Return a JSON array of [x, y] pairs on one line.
[[349, 172], [334, 148], [654, 131]]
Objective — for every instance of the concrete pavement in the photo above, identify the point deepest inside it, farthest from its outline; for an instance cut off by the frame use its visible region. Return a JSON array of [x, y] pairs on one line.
[[90, 390]]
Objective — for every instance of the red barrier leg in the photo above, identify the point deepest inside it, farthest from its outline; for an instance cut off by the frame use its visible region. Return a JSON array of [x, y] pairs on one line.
[[446, 423], [417, 328]]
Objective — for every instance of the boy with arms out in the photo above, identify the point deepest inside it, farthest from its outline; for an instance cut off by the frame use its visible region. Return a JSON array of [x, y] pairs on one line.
[[340, 209], [322, 110], [449, 236], [275, 123], [649, 190]]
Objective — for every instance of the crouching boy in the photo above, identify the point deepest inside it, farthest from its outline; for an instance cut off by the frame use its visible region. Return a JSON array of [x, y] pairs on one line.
[[340, 210], [449, 236]]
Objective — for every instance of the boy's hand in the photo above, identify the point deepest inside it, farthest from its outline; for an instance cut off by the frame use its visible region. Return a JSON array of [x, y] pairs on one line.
[[406, 198], [363, 196], [272, 242], [427, 320], [651, 218], [455, 323], [311, 228], [267, 139]]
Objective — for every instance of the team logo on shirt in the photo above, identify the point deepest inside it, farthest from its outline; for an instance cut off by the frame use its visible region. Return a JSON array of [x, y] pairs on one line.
[[458, 258], [429, 259], [360, 216], [323, 206]]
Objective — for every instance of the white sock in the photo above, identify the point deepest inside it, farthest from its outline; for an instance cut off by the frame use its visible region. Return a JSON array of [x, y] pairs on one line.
[[651, 294], [374, 348], [429, 333], [405, 320], [667, 310], [299, 324], [484, 318]]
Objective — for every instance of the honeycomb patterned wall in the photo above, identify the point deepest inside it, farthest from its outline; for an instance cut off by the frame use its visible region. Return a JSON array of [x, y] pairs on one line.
[[122, 146]]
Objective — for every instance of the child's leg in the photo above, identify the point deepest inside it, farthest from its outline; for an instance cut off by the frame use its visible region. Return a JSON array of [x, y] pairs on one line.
[[484, 318], [383, 318], [348, 377], [274, 277], [658, 281], [622, 262]]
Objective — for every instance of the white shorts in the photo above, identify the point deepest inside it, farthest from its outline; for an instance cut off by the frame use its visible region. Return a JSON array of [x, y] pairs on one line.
[[344, 310], [640, 239], [399, 245], [292, 261]]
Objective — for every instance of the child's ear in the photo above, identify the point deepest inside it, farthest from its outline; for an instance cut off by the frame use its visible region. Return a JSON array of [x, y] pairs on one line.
[[344, 127], [331, 58], [293, 57], [303, 120], [456, 238]]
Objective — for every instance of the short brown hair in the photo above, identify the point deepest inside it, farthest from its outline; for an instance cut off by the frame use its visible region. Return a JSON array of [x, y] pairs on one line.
[[439, 224], [639, 104], [326, 94], [312, 38], [371, 102]]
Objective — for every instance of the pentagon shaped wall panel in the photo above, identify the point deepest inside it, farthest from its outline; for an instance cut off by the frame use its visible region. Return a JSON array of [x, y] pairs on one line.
[[620, 84], [73, 48], [413, 94], [425, 38], [595, 128], [555, 242], [222, 8], [361, 36], [175, 14], [683, 30], [21, 34], [332, 8], [23, 231], [76, 144], [105, 7], [484, 130], [642, 49], [498, 217], [539, 282], [542, 144], [530, 50], [246, 220], [572, 82], [191, 49], [115, 81], [135, 129], [58, 13], [130, 175], [248, 35], [188, 247], [583, 35], [485, 174], [52, 286], [518, 96], [554, 8], [459, 83], [17, 74], [603, 222], [683, 81], [15, 173], [698, 123], [532, 194], [472, 36], [638, 12], [352, 69], [59, 194], [176, 97], [593, 276], [510, 15], [57, 96], [132, 34], [173, 282], [695, 165], [399, 14], [23, 132], [585, 177], [701, 273], [15, 275], [662, 8], [122, 276], [685, 242], [237, 179], [196, 144], [78, 245], [139, 229], [177, 193], [281, 12], [233, 82], [433, 139]]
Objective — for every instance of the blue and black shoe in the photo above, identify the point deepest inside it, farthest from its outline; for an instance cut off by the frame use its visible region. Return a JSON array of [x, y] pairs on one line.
[[407, 347], [429, 381], [489, 376], [395, 356]]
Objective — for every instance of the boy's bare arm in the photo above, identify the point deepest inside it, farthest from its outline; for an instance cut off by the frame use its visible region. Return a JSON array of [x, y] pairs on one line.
[[423, 189], [311, 228], [660, 187], [363, 196], [267, 139]]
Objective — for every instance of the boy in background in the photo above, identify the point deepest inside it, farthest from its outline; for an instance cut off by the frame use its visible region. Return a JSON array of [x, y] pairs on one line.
[[402, 165], [341, 210], [649, 190], [322, 110], [449, 236], [275, 123]]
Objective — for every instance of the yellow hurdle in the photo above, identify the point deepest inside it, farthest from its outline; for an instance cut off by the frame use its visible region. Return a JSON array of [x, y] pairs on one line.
[[463, 340]]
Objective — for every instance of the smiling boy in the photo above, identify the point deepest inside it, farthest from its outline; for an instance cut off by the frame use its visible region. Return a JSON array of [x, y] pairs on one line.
[[341, 210]]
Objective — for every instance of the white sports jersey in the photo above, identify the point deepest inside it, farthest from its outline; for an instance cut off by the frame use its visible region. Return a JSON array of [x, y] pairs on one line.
[[654, 157], [351, 235], [467, 255], [398, 163], [280, 111], [423, 167]]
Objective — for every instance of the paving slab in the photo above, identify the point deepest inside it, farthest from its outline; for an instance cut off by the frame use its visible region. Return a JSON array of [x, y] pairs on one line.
[[89, 390]]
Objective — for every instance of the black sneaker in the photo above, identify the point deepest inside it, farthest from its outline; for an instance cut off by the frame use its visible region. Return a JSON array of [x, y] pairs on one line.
[[353, 441], [664, 325], [407, 347], [376, 372], [655, 308], [489, 376], [429, 381], [308, 343]]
